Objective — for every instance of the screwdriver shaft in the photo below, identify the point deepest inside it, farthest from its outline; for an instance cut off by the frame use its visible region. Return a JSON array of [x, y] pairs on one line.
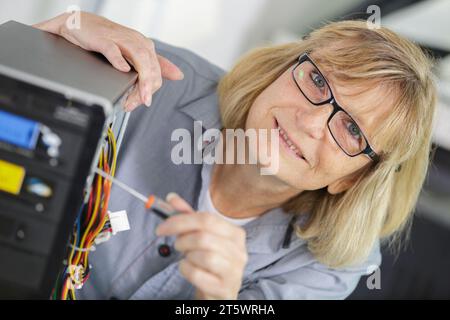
[[160, 207], [122, 185]]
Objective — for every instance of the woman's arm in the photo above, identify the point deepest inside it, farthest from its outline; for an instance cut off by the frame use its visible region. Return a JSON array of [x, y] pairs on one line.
[[121, 46]]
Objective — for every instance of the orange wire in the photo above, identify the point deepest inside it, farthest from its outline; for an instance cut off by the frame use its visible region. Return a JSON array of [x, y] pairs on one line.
[[102, 201], [103, 216]]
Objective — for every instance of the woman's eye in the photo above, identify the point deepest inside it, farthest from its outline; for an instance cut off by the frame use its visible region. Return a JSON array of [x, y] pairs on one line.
[[354, 130], [318, 80]]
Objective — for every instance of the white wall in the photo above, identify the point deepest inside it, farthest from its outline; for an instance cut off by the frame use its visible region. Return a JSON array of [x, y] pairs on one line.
[[32, 11], [212, 28], [426, 22]]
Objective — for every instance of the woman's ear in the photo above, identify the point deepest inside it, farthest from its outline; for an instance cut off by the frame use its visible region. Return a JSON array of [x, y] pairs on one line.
[[346, 182]]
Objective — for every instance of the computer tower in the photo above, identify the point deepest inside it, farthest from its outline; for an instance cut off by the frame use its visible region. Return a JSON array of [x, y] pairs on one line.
[[56, 103]]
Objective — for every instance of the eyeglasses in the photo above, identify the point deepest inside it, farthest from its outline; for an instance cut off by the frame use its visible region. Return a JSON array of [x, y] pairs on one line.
[[343, 128]]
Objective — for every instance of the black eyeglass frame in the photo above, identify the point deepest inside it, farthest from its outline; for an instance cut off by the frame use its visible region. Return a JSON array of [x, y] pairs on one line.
[[368, 151]]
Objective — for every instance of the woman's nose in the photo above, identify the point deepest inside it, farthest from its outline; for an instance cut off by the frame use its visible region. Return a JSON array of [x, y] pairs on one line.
[[313, 120]]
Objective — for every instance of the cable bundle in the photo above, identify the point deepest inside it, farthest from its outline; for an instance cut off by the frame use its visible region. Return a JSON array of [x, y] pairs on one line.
[[91, 224]]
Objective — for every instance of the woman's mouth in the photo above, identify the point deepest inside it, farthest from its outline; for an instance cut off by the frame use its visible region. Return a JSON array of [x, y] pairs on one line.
[[287, 143]]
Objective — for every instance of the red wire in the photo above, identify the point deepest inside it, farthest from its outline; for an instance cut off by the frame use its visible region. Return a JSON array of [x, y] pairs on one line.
[[106, 194], [64, 288]]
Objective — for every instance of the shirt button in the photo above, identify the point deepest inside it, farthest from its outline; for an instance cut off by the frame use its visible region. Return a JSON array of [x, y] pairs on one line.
[[164, 250]]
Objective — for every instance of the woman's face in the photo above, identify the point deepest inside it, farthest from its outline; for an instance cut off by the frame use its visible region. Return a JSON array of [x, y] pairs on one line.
[[282, 105]]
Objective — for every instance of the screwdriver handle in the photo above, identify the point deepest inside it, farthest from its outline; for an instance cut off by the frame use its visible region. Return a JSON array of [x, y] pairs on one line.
[[160, 207]]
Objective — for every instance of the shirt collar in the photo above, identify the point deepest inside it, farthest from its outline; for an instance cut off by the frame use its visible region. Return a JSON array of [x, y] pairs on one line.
[[206, 110]]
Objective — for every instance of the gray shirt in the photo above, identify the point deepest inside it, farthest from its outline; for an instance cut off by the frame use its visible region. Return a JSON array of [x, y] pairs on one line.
[[129, 266]]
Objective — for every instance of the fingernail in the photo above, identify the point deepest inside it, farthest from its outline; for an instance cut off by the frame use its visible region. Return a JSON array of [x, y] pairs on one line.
[[181, 75], [148, 100], [171, 195], [125, 67]]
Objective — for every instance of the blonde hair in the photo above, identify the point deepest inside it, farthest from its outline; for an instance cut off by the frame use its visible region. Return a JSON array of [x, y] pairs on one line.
[[342, 229]]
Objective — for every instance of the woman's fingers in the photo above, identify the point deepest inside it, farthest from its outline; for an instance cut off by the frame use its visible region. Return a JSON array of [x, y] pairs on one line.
[[211, 262], [169, 70], [178, 203], [193, 241], [208, 284], [139, 57], [133, 100], [181, 223], [112, 52], [122, 47]]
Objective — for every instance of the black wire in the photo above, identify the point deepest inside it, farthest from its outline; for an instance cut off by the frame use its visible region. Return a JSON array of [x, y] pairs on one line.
[[110, 154]]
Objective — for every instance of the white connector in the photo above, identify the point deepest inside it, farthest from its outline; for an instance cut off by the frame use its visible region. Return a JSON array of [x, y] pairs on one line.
[[119, 221], [102, 237]]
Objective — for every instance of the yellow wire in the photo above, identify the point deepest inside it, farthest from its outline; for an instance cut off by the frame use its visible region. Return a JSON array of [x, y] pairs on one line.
[[73, 249], [112, 143], [102, 222], [113, 169], [72, 293], [94, 215], [69, 261], [96, 231]]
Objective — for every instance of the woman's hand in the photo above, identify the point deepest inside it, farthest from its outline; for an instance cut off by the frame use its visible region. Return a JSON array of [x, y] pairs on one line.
[[120, 45], [214, 250]]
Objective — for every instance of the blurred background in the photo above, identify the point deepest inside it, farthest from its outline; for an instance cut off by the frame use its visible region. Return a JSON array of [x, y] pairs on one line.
[[221, 30]]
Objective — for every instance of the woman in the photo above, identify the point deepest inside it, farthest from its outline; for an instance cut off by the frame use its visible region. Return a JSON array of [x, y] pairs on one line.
[[353, 110]]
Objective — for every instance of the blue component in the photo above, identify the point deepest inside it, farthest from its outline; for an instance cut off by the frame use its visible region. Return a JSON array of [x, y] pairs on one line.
[[18, 131]]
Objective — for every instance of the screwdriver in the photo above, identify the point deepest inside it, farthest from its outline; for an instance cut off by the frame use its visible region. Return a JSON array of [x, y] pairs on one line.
[[152, 202]]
